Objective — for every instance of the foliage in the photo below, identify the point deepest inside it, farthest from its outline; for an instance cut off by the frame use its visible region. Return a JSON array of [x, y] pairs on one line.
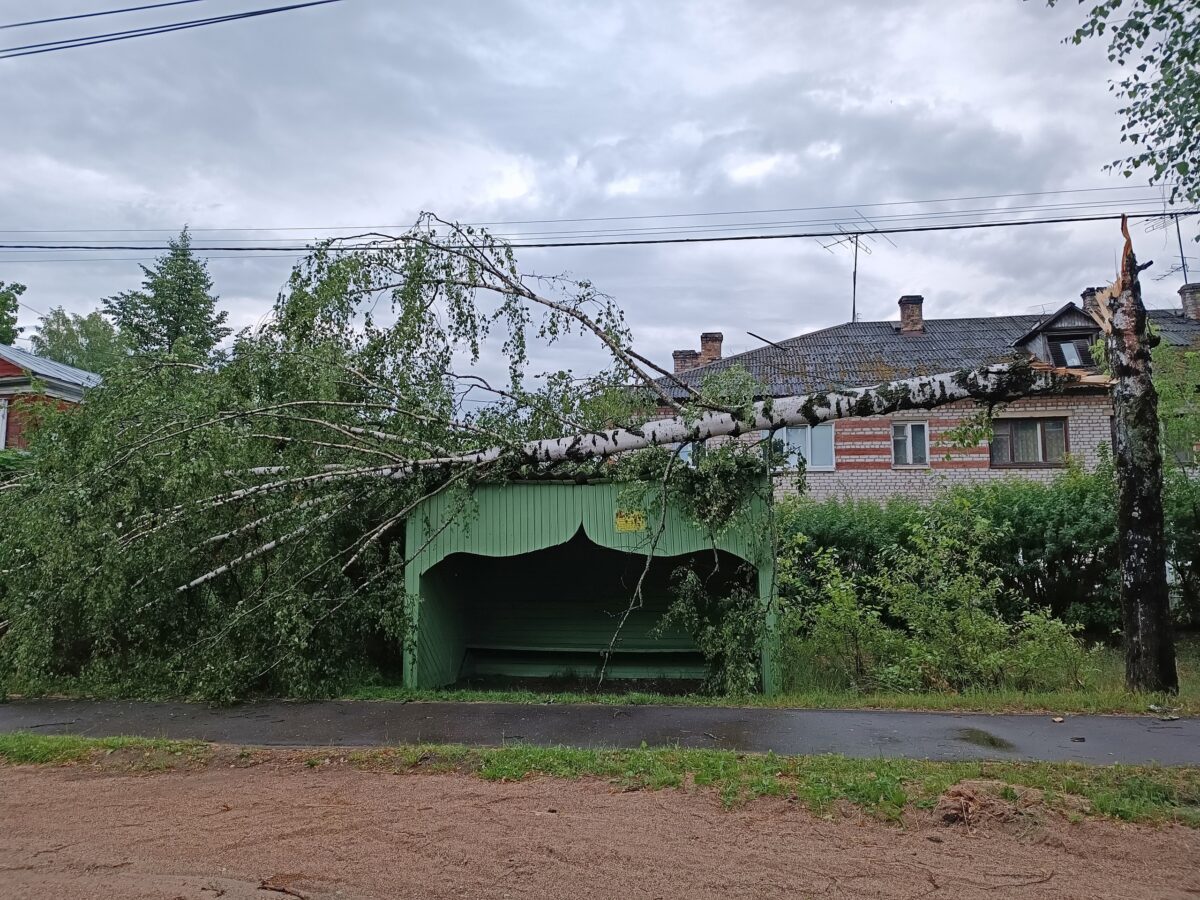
[[1157, 43], [860, 531], [233, 526], [175, 311], [729, 629], [1053, 545], [13, 462], [90, 342], [1177, 379], [10, 298], [930, 617]]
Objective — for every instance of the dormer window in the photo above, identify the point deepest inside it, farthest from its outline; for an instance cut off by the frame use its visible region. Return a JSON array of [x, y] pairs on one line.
[[1073, 351]]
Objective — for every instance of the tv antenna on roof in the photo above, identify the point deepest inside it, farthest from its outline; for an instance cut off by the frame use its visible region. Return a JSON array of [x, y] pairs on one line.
[[854, 240], [1160, 223]]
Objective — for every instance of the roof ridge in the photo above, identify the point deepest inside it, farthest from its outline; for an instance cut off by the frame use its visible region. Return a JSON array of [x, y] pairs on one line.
[[47, 367]]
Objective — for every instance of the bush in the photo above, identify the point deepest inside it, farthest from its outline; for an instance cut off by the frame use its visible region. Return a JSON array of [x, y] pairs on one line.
[[860, 531], [930, 617], [1181, 499], [1053, 545]]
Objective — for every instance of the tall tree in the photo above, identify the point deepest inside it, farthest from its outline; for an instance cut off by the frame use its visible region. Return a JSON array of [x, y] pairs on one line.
[[1137, 455], [9, 300], [1157, 42], [175, 310], [88, 342]]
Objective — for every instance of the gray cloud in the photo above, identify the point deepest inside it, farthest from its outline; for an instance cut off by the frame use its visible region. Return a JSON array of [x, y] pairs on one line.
[[369, 111]]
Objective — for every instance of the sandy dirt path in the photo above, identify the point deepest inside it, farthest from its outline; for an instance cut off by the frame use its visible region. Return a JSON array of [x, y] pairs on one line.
[[270, 833]]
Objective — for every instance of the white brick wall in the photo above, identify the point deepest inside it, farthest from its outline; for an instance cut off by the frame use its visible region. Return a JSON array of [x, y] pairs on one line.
[[863, 455]]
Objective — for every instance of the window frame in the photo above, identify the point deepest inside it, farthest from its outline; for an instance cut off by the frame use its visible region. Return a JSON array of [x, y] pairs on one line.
[[3, 423], [1081, 342], [806, 451], [689, 452], [1042, 463], [907, 425]]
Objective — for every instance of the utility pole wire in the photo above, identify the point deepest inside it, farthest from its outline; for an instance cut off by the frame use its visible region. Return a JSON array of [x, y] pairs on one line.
[[388, 241], [92, 15], [707, 213], [110, 37]]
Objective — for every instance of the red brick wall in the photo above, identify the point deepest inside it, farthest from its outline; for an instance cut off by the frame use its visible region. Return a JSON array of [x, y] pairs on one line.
[[20, 412], [863, 449]]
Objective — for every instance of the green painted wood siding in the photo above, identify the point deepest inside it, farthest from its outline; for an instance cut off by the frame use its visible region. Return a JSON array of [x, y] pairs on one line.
[[466, 602]]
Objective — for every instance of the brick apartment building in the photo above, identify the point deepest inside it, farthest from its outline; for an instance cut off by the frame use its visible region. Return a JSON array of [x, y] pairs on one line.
[[908, 453]]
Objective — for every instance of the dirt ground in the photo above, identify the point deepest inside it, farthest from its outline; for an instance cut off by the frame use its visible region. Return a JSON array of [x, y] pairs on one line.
[[275, 832]]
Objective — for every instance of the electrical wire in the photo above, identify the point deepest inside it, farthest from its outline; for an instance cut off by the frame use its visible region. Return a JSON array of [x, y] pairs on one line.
[[637, 241], [744, 212], [1135, 205], [92, 15], [91, 40]]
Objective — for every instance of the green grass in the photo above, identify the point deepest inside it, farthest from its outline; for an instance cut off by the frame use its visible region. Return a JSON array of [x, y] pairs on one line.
[[1105, 693], [41, 749], [886, 788]]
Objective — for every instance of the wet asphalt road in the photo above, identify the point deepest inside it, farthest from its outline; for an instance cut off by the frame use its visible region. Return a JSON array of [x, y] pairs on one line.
[[861, 733]]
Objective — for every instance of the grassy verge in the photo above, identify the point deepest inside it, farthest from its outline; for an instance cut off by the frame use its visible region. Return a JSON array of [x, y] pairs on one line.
[[1107, 701], [1104, 693], [883, 787], [21, 747]]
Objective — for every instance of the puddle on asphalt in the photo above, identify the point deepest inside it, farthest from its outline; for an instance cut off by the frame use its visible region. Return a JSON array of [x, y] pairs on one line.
[[982, 738]]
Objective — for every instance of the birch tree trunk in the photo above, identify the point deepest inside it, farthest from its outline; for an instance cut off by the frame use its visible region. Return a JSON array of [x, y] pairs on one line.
[[1137, 454]]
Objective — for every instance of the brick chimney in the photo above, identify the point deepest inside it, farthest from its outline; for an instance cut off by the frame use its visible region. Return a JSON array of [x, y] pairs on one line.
[[912, 321], [685, 359], [710, 346], [1091, 305], [1190, 295]]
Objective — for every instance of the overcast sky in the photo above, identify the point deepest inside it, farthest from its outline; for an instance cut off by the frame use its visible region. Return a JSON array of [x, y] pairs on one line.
[[367, 111]]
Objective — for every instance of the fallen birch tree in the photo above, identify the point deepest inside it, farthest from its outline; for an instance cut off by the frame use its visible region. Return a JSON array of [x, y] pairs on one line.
[[220, 529]]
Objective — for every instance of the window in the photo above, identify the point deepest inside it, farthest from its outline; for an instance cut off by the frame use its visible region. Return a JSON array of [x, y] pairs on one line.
[[1029, 442], [812, 443], [1072, 351], [690, 453], [3, 424], [910, 444]]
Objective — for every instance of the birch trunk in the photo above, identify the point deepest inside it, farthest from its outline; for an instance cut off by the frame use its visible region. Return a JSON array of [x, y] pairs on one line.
[[1137, 455], [991, 384]]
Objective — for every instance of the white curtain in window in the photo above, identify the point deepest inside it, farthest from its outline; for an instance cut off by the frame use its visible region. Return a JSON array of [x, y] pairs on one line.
[[1055, 436], [1025, 441]]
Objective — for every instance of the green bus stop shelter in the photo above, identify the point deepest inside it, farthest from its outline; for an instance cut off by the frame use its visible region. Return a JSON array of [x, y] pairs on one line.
[[530, 579]]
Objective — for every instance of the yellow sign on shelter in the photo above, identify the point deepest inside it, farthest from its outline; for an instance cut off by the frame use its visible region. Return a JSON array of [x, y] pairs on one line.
[[627, 521]]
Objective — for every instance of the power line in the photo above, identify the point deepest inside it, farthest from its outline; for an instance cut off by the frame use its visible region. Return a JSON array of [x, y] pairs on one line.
[[1134, 206], [842, 232], [91, 40], [92, 15], [933, 215], [848, 206], [704, 214]]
